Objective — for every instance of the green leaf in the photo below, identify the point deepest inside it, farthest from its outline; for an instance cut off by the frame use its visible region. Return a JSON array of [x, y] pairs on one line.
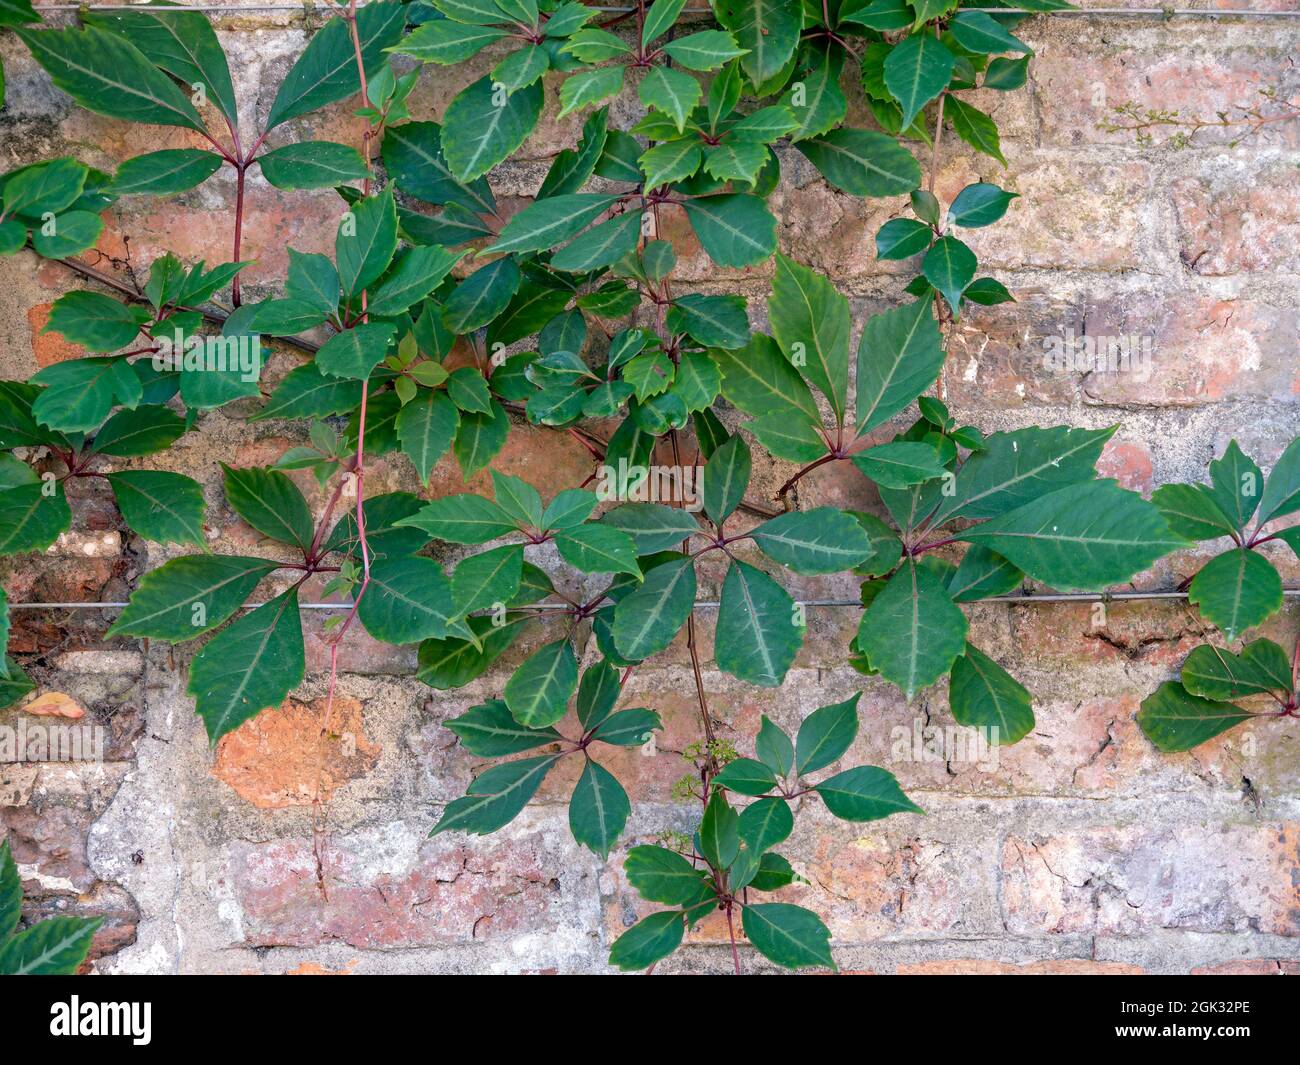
[[653, 527], [326, 72], [166, 172], [980, 204], [590, 87], [974, 127], [570, 507], [1216, 673], [306, 393], [249, 666], [50, 187], [825, 735], [1175, 720], [15, 685], [950, 266], [271, 503], [312, 165], [765, 823], [760, 381], [447, 42], [496, 797], [735, 229], [600, 246], [598, 549], [648, 941], [1236, 591], [661, 875], [480, 438], [462, 519], [659, 18], [862, 162], [548, 223], [485, 579], [719, 835], [354, 353], [821, 106], [984, 695], [489, 731], [364, 247], [1282, 490], [538, 692], [671, 92], [142, 431], [1191, 511], [913, 632], [468, 390], [810, 320], [413, 157], [598, 693], [669, 162], [705, 50], [774, 750], [788, 935], [746, 776], [11, 891], [598, 809], [900, 464], [31, 518], [186, 597], [160, 506], [95, 321], [482, 296], [714, 321], [768, 30], [865, 793], [1235, 485], [407, 600], [71, 233], [78, 394], [483, 125], [820, 540], [899, 357], [54, 947], [977, 32], [384, 536], [726, 476], [1082, 537], [646, 620], [916, 71], [1006, 75], [627, 728], [758, 633], [110, 76], [454, 662], [1019, 467], [982, 573], [426, 427], [901, 238]]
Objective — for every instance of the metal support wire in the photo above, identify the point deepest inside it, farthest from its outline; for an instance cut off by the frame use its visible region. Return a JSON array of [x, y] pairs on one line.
[[712, 604], [1104, 12]]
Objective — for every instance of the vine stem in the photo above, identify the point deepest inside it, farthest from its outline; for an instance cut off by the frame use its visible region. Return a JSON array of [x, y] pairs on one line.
[[731, 931], [359, 475]]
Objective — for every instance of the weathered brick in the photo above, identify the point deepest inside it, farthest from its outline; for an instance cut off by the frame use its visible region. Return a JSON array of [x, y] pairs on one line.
[[1053, 967], [1229, 222]]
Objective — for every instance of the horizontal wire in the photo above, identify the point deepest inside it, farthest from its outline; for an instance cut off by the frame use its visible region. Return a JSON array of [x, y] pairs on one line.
[[713, 604], [1105, 12]]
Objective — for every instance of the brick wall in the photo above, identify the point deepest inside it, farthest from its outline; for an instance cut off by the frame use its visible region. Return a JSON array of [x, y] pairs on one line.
[[1081, 850]]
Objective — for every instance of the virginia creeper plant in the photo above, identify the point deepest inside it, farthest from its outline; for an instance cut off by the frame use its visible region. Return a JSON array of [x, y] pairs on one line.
[[441, 319]]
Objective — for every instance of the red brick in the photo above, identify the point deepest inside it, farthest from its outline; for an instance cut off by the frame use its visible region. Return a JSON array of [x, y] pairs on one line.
[[1227, 224]]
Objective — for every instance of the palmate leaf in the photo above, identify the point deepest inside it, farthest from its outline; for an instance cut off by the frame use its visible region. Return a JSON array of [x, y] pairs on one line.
[[480, 438], [1082, 537], [1175, 720], [759, 631], [55, 947], [788, 935], [249, 666], [108, 75], [598, 809], [480, 128], [326, 72], [913, 632], [671, 92], [718, 839], [462, 519], [627, 728], [1235, 485], [984, 695], [810, 320], [496, 797], [900, 464], [1236, 590], [768, 30]]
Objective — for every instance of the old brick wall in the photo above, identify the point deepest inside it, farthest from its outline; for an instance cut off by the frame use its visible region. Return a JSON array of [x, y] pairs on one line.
[[1081, 850]]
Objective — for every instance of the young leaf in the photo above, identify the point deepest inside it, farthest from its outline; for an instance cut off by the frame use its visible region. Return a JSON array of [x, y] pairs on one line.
[[426, 427], [249, 666]]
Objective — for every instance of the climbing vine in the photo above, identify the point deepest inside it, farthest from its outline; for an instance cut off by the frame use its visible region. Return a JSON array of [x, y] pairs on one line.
[[443, 318]]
